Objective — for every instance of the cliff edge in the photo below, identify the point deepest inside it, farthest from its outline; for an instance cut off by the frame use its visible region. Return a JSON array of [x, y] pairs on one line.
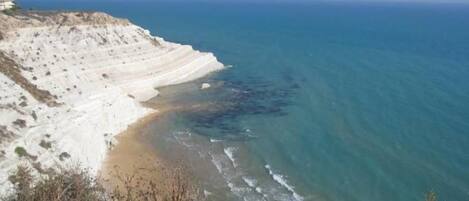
[[71, 81]]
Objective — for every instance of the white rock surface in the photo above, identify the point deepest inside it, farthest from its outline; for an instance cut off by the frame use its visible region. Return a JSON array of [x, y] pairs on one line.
[[99, 72], [205, 86]]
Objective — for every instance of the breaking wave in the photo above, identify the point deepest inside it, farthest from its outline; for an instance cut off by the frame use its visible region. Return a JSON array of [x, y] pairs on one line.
[[282, 181], [230, 153]]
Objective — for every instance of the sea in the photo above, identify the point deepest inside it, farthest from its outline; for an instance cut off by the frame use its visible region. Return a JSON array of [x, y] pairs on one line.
[[319, 101]]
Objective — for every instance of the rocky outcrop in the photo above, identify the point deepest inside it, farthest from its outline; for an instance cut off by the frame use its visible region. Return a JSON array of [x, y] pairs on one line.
[[74, 80]]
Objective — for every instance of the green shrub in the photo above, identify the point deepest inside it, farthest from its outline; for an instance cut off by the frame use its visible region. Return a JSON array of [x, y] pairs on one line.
[[21, 152]]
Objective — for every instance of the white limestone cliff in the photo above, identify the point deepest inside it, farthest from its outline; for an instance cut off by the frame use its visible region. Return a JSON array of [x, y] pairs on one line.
[[69, 82]]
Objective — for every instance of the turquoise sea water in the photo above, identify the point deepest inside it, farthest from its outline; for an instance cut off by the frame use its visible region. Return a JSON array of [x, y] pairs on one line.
[[325, 101]]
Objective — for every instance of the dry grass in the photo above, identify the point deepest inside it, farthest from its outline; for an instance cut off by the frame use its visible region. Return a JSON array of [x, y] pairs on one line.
[[141, 185], [78, 185], [67, 185]]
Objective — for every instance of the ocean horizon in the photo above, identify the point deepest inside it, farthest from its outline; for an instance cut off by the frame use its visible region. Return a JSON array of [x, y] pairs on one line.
[[322, 101]]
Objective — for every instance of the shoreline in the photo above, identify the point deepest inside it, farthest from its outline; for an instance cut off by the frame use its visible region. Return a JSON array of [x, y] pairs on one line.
[[131, 156], [76, 81]]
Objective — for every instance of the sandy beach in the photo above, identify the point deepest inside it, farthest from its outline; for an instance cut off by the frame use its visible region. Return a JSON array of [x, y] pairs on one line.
[[132, 160], [72, 81], [129, 153]]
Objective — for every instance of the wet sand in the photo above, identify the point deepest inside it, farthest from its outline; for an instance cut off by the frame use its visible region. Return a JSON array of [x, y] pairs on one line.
[[134, 157], [130, 155]]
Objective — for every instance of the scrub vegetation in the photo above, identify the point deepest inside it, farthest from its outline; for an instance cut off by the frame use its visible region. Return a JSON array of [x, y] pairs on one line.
[[78, 185]]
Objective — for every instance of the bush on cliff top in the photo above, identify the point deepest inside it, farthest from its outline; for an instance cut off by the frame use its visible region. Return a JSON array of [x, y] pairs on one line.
[[70, 185], [78, 185]]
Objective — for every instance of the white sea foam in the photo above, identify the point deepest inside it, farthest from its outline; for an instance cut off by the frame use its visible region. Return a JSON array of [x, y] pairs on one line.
[[251, 182], [215, 140], [207, 193], [218, 164], [230, 175], [238, 190], [259, 190], [282, 181], [182, 138], [230, 153]]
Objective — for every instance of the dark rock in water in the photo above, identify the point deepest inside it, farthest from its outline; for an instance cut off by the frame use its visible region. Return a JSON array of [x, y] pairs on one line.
[[287, 76], [295, 86], [237, 99]]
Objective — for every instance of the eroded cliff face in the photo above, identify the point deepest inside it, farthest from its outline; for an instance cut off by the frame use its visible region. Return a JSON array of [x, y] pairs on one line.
[[69, 82]]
